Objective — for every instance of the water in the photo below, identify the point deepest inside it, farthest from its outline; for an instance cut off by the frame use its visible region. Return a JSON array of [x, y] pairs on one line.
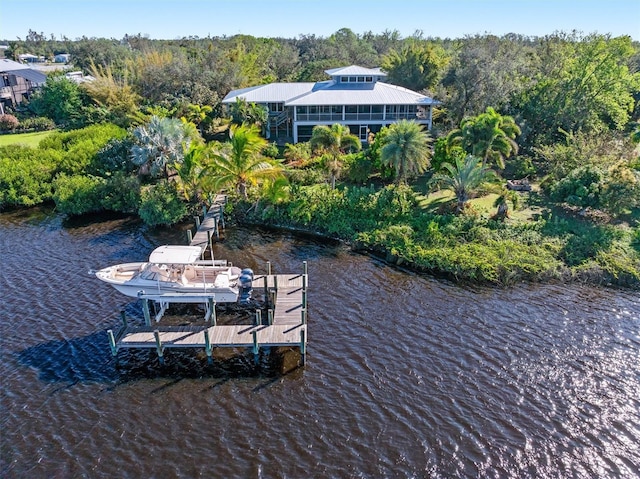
[[406, 376]]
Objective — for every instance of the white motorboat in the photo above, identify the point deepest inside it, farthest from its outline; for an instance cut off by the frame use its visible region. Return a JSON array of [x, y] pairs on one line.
[[175, 271]]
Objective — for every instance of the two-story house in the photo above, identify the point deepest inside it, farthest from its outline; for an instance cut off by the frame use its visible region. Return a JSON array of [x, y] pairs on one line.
[[17, 81], [354, 96]]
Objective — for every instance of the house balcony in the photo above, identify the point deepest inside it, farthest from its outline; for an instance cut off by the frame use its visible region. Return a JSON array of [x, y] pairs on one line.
[[5, 92]]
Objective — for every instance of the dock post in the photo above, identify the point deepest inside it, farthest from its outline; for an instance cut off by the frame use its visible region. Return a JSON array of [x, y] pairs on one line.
[[303, 316], [275, 282], [258, 320], [270, 316], [222, 216], [207, 346], [211, 311], [159, 348], [145, 312], [266, 289], [209, 243], [217, 229], [304, 268], [123, 316], [197, 218], [112, 343], [204, 211], [269, 268], [189, 236], [303, 346], [256, 348], [304, 298]]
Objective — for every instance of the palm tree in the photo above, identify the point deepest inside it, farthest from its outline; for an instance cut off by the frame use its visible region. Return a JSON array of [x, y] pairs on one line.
[[160, 145], [240, 162], [335, 140], [406, 148], [189, 171], [462, 178], [489, 136]]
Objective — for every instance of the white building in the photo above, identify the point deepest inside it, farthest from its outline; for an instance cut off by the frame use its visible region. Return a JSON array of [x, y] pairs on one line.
[[355, 96]]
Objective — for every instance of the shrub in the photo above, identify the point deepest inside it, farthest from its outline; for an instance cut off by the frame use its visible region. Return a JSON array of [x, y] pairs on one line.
[[8, 122], [160, 205], [26, 175], [271, 151], [121, 193], [621, 190], [78, 194], [38, 123], [581, 187]]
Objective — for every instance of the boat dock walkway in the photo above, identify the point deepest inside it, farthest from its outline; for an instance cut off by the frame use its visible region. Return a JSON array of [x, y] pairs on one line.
[[209, 226]]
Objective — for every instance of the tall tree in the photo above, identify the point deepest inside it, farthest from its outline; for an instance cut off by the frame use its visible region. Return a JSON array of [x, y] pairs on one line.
[[462, 178], [406, 148], [489, 136], [583, 83], [335, 141], [59, 99], [240, 163], [486, 71], [418, 65]]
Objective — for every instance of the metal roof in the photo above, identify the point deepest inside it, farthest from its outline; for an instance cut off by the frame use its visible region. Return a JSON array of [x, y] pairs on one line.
[[271, 93], [330, 93], [20, 70], [361, 94], [355, 70]]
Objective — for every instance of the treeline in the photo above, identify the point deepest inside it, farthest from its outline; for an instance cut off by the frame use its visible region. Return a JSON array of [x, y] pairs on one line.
[[565, 82]]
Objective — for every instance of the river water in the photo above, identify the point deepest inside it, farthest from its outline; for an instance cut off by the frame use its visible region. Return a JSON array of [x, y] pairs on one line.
[[406, 376]]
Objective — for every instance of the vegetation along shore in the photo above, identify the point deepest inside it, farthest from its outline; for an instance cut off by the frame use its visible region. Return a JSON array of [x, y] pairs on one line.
[[519, 160]]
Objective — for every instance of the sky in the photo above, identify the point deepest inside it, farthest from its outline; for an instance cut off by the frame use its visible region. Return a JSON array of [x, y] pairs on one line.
[[171, 19]]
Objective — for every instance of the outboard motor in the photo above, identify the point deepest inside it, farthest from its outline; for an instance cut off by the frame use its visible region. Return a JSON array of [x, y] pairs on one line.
[[245, 280]]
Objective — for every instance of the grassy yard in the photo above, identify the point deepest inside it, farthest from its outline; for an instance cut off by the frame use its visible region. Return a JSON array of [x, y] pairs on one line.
[[27, 139]]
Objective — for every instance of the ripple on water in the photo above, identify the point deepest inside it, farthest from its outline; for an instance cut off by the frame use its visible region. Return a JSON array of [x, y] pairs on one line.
[[406, 377]]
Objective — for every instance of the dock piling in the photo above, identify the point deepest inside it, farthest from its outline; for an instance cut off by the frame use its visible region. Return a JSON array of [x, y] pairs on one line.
[[197, 218], [303, 346], [189, 236], [123, 317], [258, 319], [146, 312], [112, 343], [207, 346], [159, 347]]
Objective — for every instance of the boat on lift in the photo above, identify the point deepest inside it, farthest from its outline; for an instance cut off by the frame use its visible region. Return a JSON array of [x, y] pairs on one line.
[[176, 271]]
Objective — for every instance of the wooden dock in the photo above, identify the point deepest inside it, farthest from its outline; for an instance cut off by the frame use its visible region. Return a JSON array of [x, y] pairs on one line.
[[285, 300], [210, 225]]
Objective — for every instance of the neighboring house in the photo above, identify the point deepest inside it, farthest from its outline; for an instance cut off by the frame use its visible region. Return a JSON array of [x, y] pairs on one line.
[[355, 96], [29, 58], [61, 58], [18, 81]]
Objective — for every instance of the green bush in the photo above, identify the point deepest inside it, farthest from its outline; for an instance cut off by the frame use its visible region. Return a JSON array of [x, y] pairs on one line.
[[121, 192], [78, 194], [39, 123], [581, 187], [26, 175], [160, 205]]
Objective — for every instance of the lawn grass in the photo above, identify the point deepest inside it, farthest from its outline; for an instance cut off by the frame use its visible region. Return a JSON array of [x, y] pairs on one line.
[[28, 139]]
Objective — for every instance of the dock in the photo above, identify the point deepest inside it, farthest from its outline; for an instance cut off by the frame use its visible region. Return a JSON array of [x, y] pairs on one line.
[[210, 225], [281, 320]]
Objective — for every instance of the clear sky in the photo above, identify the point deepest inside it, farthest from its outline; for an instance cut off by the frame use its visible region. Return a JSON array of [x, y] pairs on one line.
[[169, 19]]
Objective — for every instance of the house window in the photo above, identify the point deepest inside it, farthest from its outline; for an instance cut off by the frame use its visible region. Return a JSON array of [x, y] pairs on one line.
[[344, 79], [360, 79], [368, 79]]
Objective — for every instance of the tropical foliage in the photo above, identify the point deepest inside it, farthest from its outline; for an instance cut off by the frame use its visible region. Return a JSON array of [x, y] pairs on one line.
[[335, 141], [462, 178], [406, 149]]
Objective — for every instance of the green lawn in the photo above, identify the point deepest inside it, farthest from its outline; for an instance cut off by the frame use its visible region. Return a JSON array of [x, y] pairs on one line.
[[27, 139]]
